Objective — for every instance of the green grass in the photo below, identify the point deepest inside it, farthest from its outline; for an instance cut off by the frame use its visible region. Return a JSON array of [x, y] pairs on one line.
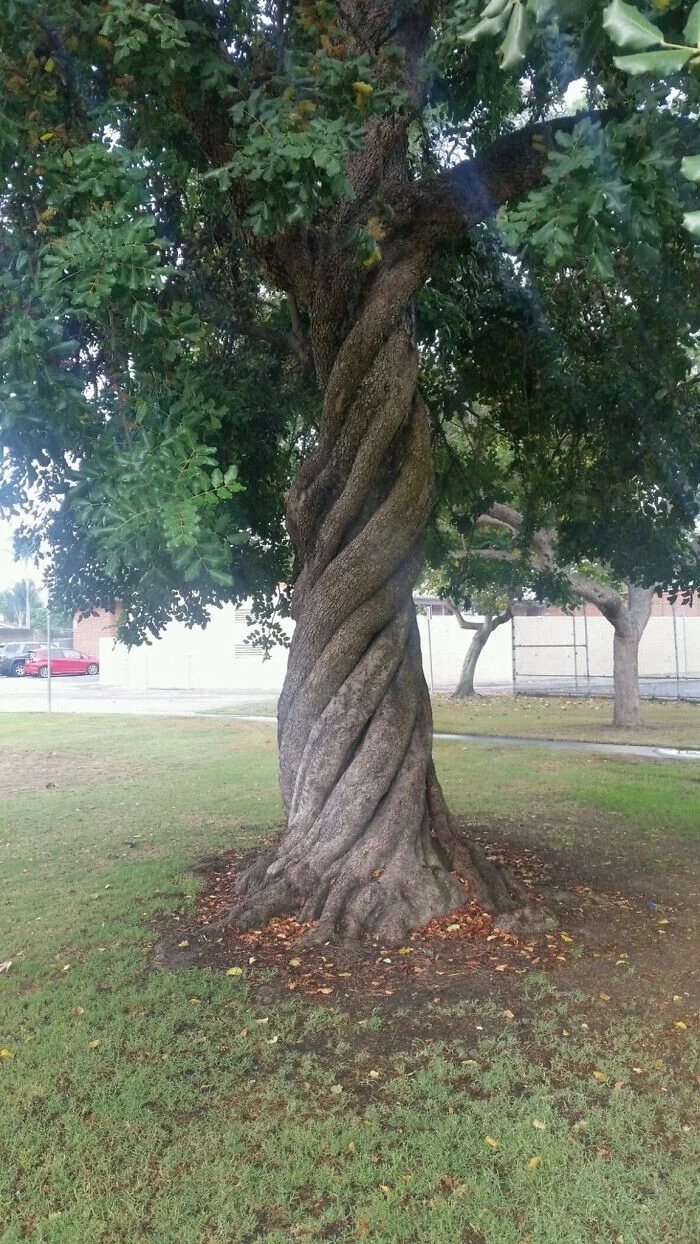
[[672, 724], [576, 799], [170, 1108]]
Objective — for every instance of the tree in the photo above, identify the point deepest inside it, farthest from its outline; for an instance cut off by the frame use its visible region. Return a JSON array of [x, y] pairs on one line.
[[482, 632], [190, 185], [627, 612], [20, 603]]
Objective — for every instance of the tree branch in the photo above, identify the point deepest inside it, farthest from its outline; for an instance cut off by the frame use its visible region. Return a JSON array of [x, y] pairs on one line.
[[295, 340], [465, 624], [454, 201]]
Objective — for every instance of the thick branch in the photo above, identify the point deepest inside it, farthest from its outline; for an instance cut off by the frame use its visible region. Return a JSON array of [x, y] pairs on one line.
[[293, 341], [456, 200], [463, 622]]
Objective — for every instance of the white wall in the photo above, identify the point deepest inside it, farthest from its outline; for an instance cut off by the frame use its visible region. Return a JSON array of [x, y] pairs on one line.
[[217, 657]]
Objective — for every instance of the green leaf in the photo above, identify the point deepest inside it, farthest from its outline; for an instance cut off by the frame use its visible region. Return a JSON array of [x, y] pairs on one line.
[[514, 46], [691, 220], [659, 63], [495, 8], [485, 28], [690, 167], [629, 29], [692, 26]]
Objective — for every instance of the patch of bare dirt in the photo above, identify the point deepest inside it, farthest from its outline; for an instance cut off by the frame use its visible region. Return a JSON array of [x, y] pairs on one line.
[[21, 774], [612, 938]]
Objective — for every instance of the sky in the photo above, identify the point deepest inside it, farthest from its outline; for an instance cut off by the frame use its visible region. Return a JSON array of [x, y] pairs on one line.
[[10, 570]]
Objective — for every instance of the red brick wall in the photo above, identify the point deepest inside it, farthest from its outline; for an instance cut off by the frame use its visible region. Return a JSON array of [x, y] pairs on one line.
[[87, 632]]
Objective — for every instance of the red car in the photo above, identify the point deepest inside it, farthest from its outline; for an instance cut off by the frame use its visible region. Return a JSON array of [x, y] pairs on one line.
[[63, 661]]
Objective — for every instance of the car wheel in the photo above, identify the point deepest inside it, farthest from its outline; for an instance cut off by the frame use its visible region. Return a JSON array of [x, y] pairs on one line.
[[92, 669], [43, 671], [18, 669]]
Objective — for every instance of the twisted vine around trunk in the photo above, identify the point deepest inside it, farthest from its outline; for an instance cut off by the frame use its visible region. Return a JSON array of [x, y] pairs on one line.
[[369, 845]]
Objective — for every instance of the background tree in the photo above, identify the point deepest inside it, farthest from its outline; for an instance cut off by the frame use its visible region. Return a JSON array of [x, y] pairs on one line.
[[187, 182]]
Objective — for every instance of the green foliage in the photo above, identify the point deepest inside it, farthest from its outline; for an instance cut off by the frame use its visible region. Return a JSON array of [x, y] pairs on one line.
[[149, 404]]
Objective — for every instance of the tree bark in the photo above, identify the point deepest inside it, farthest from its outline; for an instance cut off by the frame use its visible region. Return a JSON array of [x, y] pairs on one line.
[[369, 842], [482, 634], [629, 627]]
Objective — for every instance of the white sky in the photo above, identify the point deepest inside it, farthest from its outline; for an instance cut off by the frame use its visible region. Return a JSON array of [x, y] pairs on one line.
[[10, 570]]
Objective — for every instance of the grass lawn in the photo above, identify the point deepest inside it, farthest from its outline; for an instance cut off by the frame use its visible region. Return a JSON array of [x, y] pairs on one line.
[[182, 1108], [666, 724]]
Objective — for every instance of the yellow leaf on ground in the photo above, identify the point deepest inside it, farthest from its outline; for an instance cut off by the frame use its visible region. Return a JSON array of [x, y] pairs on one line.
[[604, 997], [6, 1054], [181, 945], [599, 1075], [539, 1125], [535, 1161], [92, 1045], [680, 1024], [492, 1142], [295, 963], [235, 972], [565, 937]]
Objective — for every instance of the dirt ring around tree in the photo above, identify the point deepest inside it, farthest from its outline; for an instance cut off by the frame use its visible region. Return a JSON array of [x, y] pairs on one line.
[[607, 941]]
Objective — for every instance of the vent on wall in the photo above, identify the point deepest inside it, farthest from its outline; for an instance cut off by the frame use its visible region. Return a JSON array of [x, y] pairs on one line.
[[246, 650], [241, 617]]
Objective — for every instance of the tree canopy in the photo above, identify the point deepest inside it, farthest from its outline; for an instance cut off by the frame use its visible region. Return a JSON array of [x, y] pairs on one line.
[[243, 244]]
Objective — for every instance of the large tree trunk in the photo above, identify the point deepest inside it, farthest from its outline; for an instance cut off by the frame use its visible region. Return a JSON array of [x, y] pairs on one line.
[[629, 624], [482, 634], [360, 852]]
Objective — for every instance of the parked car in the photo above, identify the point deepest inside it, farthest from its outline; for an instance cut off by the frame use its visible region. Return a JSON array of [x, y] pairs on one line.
[[63, 661], [13, 657]]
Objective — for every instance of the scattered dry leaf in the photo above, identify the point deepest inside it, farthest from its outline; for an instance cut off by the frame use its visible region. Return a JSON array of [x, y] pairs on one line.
[[492, 1142], [235, 972], [535, 1161]]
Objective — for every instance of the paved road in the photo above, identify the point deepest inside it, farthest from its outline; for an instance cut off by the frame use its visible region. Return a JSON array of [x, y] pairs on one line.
[[88, 695]]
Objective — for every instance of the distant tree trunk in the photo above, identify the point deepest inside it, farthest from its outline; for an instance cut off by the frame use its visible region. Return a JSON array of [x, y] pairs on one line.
[[628, 619], [482, 633], [629, 627]]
